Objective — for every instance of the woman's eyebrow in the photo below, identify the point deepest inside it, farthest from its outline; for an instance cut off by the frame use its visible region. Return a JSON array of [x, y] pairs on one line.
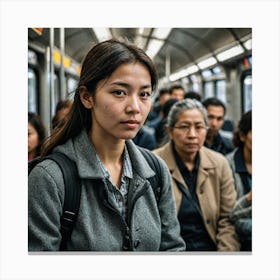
[[126, 85]]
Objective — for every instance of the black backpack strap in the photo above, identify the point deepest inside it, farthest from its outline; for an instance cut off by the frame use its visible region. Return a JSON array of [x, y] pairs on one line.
[[155, 181], [72, 195]]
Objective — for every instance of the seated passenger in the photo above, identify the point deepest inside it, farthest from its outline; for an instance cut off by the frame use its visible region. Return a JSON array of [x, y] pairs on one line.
[[240, 161], [36, 135], [202, 181], [61, 112], [216, 111], [118, 210]]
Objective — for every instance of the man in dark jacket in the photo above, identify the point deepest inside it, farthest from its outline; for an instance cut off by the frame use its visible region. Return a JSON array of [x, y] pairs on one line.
[[214, 140]]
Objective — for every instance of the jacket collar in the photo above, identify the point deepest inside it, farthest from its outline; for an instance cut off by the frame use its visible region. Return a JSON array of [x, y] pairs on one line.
[[205, 166], [80, 149]]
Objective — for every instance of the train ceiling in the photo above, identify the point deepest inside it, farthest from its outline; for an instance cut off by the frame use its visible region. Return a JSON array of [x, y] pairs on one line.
[[178, 47]]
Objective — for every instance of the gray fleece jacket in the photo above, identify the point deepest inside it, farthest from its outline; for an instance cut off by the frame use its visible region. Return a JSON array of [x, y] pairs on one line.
[[150, 226]]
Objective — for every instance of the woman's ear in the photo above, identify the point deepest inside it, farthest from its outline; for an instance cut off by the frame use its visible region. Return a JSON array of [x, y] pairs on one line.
[[242, 137], [86, 97], [169, 132]]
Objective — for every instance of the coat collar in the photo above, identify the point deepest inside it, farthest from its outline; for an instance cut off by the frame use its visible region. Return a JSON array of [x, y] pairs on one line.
[[80, 149], [206, 163]]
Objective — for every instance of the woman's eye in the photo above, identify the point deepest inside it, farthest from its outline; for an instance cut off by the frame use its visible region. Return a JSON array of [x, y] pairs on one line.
[[119, 93], [145, 94]]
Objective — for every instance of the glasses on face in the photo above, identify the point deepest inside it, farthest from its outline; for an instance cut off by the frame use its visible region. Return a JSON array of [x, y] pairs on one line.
[[187, 128]]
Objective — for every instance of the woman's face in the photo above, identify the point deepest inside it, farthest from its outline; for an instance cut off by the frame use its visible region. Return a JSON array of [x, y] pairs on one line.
[[247, 140], [189, 132], [33, 138], [122, 102]]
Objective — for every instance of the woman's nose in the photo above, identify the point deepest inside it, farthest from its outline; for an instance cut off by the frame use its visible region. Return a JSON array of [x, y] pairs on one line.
[[133, 104]]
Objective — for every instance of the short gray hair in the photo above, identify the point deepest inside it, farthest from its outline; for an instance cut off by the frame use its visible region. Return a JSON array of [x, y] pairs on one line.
[[183, 105]]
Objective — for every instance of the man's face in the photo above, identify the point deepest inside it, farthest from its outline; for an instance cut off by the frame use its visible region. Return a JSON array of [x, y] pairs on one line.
[[215, 118]]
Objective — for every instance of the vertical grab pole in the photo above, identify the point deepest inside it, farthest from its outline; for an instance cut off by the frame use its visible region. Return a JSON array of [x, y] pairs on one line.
[[62, 72], [51, 76]]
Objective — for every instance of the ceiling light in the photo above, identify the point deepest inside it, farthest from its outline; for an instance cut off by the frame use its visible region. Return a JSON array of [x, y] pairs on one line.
[[248, 44], [161, 33], [207, 62], [232, 52], [183, 73], [154, 44], [153, 47], [102, 34]]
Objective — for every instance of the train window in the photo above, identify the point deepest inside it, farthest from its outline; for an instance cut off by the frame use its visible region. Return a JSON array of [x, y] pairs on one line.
[[32, 57], [71, 87], [221, 90], [32, 91], [247, 93], [206, 73], [209, 89], [195, 83], [217, 70]]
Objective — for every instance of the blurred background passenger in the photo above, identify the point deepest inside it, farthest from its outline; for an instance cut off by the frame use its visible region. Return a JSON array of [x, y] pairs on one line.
[[202, 181], [145, 138], [161, 134], [216, 111], [36, 135], [155, 115], [193, 95], [61, 112], [177, 92], [240, 161]]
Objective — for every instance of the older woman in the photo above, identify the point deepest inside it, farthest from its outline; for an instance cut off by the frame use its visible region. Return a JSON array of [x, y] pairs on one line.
[[202, 181]]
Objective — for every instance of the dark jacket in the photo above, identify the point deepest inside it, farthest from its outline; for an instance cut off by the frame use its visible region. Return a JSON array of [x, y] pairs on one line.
[[150, 226], [220, 144]]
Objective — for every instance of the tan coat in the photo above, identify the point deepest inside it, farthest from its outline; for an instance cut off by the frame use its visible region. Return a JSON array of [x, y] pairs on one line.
[[215, 191]]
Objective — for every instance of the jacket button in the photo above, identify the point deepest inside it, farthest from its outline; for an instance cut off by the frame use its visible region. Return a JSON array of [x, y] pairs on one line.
[[207, 221], [201, 191], [136, 243]]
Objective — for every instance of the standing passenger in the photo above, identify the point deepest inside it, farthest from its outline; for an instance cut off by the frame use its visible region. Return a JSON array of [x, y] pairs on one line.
[[36, 135], [202, 181], [177, 92], [118, 208], [216, 113], [240, 161]]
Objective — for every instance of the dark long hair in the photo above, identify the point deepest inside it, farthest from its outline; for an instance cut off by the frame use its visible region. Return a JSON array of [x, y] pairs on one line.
[[37, 123], [244, 126], [99, 64]]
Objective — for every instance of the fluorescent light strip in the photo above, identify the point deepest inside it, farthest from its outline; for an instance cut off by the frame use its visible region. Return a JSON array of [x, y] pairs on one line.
[[232, 52], [155, 45], [183, 73], [102, 33], [248, 44], [161, 33], [207, 62]]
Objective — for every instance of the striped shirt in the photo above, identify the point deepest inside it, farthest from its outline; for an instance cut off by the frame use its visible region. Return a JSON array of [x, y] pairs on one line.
[[118, 196]]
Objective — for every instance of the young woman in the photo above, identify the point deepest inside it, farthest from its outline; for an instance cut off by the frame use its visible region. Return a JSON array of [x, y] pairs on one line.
[[202, 181], [118, 207], [36, 135]]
